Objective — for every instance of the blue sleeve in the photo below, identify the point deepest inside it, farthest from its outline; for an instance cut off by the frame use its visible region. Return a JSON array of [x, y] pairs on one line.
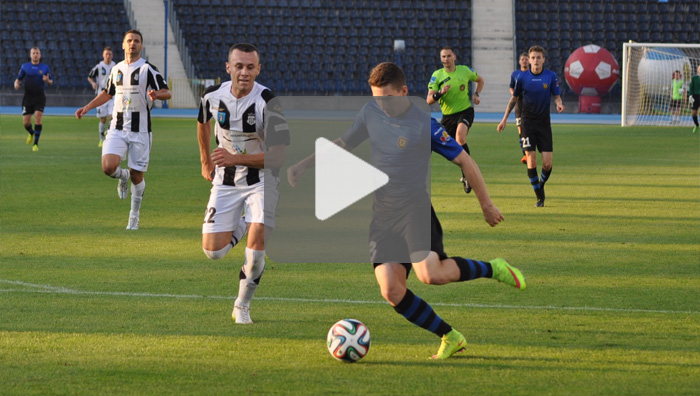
[[556, 91], [442, 143], [518, 89], [513, 78], [21, 73]]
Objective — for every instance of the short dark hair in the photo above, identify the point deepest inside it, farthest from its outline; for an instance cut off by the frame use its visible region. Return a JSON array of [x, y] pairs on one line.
[[134, 31], [387, 73], [107, 48], [522, 54], [447, 47], [536, 48], [244, 47]]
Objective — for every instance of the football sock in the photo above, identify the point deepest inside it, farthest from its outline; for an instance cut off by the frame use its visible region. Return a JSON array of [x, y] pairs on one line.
[[37, 133], [472, 269], [695, 120], [420, 313], [101, 128], [137, 195], [120, 173], [249, 277], [534, 180], [545, 175], [29, 129]]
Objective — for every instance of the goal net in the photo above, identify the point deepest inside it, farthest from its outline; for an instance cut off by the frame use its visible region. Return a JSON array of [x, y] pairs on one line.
[[647, 83]]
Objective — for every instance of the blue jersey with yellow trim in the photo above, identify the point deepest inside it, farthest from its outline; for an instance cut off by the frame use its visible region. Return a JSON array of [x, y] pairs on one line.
[[536, 91], [34, 75]]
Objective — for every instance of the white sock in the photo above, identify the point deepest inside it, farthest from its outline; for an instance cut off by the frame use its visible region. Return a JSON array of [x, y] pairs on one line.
[[120, 173], [250, 275], [102, 130], [137, 195]]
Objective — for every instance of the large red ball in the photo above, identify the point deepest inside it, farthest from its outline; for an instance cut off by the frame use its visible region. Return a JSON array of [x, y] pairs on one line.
[[591, 70]]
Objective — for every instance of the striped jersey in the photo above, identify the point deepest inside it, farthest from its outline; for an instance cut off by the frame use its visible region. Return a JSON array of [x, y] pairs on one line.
[[129, 84], [100, 73], [244, 125]]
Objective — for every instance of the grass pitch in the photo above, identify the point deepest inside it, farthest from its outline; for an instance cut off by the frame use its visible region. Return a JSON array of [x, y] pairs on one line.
[[612, 262]]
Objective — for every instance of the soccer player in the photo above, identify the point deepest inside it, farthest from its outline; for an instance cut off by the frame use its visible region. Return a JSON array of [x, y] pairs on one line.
[[456, 107], [524, 63], [676, 96], [98, 77], [694, 92], [37, 74], [135, 84], [243, 111], [432, 266], [536, 86]]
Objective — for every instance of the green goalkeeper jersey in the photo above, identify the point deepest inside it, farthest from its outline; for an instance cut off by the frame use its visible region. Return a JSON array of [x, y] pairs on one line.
[[677, 92], [457, 98], [694, 88]]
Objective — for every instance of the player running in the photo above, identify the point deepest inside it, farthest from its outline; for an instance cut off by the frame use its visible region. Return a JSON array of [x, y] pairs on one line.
[[37, 74], [536, 86], [98, 77], [248, 125], [432, 265], [135, 84]]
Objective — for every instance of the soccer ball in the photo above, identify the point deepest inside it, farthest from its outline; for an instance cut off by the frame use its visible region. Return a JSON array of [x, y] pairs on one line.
[[348, 340]]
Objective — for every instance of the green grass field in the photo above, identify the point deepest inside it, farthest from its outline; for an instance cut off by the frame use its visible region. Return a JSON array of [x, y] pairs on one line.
[[612, 262]]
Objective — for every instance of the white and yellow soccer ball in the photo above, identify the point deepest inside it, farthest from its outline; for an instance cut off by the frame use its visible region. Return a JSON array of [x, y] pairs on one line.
[[348, 340]]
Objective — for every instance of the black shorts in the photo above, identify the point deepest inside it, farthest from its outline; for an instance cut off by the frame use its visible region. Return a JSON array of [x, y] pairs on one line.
[[394, 235], [676, 104], [436, 244], [696, 102], [451, 121], [33, 102], [536, 135]]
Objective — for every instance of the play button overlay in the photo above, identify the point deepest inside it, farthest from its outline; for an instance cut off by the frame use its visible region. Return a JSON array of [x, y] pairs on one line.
[[364, 200], [342, 179]]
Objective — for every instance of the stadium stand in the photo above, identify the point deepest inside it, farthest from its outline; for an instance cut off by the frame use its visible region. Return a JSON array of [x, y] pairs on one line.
[[71, 38], [562, 26], [324, 47]]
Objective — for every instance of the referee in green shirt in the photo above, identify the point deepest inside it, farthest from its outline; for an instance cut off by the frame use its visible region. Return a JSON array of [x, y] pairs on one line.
[[450, 86]]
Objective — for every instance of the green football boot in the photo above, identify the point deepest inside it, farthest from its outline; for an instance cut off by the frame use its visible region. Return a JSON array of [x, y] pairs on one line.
[[504, 272], [452, 343]]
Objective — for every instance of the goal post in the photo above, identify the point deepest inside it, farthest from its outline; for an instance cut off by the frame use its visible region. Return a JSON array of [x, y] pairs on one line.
[[647, 83]]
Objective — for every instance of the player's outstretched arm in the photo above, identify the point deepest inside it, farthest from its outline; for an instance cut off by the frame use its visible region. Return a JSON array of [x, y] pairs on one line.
[[471, 170], [509, 107], [99, 100]]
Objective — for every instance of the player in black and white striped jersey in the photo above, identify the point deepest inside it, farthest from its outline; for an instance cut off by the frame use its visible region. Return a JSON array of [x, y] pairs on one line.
[[248, 124], [135, 84], [98, 77]]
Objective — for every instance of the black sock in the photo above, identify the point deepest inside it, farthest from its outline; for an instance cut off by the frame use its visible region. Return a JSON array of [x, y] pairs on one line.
[[695, 120], [534, 180], [37, 133], [545, 175], [29, 129], [420, 313], [472, 269]]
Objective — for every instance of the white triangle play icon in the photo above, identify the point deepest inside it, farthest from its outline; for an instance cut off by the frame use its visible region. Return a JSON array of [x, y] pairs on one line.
[[342, 179]]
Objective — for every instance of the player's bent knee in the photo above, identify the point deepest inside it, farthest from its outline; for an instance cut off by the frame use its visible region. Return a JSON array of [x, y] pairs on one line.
[[217, 254], [393, 295]]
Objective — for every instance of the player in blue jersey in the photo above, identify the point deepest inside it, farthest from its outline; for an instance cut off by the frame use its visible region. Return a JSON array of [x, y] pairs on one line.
[[433, 267], [524, 63], [35, 75], [536, 86]]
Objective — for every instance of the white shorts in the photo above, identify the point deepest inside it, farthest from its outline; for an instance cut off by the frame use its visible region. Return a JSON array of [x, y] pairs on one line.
[[137, 145], [226, 205], [106, 109]]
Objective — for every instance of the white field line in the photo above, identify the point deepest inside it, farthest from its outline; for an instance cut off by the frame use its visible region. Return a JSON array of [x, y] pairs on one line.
[[36, 288]]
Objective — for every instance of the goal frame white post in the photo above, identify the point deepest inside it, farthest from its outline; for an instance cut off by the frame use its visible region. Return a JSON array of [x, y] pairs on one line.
[[626, 50]]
